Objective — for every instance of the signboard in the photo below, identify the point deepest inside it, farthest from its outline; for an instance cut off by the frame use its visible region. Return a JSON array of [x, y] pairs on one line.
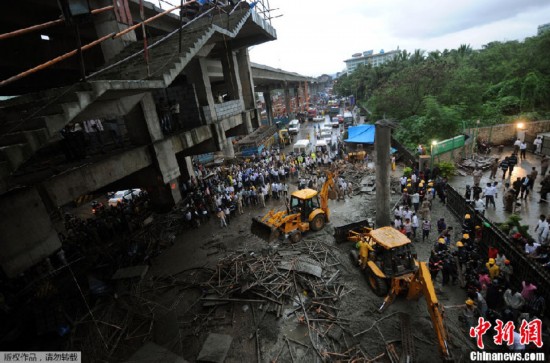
[[448, 145]]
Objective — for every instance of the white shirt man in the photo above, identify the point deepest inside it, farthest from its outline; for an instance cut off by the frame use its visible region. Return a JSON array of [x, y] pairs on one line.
[[479, 205], [542, 229], [538, 144]]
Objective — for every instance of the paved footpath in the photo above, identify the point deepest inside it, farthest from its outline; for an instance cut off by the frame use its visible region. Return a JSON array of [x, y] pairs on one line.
[[530, 210]]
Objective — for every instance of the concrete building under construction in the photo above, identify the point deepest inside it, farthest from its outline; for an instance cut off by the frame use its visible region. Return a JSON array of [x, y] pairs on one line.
[[165, 87]]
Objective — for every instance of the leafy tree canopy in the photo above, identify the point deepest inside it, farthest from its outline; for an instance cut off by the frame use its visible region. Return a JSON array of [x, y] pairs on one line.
[[435, 94]]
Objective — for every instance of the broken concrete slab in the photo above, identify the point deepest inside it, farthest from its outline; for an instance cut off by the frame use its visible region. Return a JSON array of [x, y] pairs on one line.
[[215, 348], [302, 266], [153, 353]]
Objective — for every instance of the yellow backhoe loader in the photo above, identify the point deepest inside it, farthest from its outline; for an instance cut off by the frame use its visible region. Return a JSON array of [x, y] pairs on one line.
[[307, 209], [392, 269]]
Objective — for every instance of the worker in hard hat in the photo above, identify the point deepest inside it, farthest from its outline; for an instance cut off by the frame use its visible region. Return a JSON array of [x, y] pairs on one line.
[[469, 315], [494, 270], [468, 224], [440, 246], [364, 249]]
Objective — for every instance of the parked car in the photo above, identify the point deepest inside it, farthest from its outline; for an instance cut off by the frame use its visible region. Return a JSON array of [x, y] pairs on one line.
[[121, 195], [334, 122]]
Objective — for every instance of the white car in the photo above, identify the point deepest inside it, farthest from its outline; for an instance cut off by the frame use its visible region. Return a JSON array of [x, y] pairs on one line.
[[294, 127], [319, 119], [121, 195], [334, 122]]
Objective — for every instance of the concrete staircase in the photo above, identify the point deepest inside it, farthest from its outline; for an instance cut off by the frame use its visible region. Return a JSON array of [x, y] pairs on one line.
[[30, 122]]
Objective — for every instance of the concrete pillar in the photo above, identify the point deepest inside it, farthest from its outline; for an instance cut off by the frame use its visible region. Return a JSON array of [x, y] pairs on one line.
[[268, 106], [287, 102], [150, 115], [297, 99], [245, 76], [162, 194], [198, 74], [106, 23], [228, 149], [382, 143], [231, 76], [28, 235]]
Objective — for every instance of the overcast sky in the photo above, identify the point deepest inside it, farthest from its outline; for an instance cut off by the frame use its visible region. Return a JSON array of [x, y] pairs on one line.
[[316, 36]]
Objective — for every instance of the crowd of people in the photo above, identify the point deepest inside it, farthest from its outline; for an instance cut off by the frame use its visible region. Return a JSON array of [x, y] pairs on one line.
[[492, 291], [228, 190]]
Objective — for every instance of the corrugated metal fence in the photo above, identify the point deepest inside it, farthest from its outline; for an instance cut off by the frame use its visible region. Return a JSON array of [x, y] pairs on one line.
[[524, 268]]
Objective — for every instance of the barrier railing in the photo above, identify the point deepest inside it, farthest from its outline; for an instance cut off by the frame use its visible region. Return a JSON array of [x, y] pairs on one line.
[[524, 268], [408, 157]]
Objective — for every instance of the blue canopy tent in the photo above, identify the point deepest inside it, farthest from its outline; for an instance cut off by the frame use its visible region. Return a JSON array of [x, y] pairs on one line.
[[363, 134]]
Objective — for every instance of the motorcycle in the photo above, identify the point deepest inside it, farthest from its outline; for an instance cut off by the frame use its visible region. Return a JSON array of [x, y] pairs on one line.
[[483, 147]]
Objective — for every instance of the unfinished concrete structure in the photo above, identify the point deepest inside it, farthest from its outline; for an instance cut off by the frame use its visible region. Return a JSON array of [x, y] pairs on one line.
[[206, 71]]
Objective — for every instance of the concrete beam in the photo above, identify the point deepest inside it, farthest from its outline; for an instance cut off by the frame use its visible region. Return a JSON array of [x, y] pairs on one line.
[[66, 187]]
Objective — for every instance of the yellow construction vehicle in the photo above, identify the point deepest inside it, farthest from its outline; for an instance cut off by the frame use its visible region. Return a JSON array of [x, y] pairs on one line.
[[392, 269], [284, 137], [307, 209]]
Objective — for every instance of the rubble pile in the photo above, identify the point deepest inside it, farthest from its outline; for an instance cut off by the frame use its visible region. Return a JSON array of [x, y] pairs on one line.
[[469, 164]]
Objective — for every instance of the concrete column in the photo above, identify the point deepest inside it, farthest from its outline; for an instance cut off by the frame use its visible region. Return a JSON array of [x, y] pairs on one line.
[[382, 143], [231, 77], [287, 102], [228, 149], [297, 99], [268, 106], [150, 115], [106, 23], [198, 74], [245, 75], [28, 234]]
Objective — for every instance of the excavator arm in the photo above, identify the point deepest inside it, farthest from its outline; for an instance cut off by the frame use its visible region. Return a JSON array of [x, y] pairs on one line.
[[422, 283], [323, 195]]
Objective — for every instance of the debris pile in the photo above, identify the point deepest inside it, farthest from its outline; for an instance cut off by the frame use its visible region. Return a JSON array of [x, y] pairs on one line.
[[480, 161]]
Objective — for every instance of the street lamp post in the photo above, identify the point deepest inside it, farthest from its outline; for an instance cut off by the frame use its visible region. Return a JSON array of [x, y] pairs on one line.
[[432, 156]]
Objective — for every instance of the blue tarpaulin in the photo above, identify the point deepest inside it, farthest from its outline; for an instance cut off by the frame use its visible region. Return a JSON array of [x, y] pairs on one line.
[[362, 134]]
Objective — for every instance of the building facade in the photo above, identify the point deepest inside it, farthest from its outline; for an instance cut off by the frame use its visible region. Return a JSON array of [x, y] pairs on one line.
[[369, 57]]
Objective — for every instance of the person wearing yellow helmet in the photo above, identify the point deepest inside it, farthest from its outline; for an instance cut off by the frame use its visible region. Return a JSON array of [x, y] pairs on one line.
[[469, 314], [493, 268]]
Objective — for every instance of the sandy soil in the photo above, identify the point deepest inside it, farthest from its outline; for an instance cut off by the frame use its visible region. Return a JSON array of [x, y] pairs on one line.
[[198, 250]]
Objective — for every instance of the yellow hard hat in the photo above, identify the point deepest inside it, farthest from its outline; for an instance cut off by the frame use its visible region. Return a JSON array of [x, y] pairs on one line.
[[409, 184], [478, 227], [470, 302], [404, 189], [491, 261], [465, 236], [408, 179], [430, 184], [459, 244], [467, 216], [429, 189], [441, 240]]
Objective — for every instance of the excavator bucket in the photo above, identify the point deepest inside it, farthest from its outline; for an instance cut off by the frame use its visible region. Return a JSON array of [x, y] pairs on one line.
[[341, 233], [264, 231]]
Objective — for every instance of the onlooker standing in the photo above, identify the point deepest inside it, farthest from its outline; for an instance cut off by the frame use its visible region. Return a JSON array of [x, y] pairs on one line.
[[541, 229], [494, 168], [517, 143], [477, 174], [221, 215], [479, 206], [415, 199], [532, 177], [512, 162], [504, 167], [522, 149], [489, 193], [544, 163], [426, 228], [537, 145]]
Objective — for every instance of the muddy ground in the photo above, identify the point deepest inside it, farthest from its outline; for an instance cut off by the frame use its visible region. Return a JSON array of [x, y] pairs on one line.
[[183, 323]]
